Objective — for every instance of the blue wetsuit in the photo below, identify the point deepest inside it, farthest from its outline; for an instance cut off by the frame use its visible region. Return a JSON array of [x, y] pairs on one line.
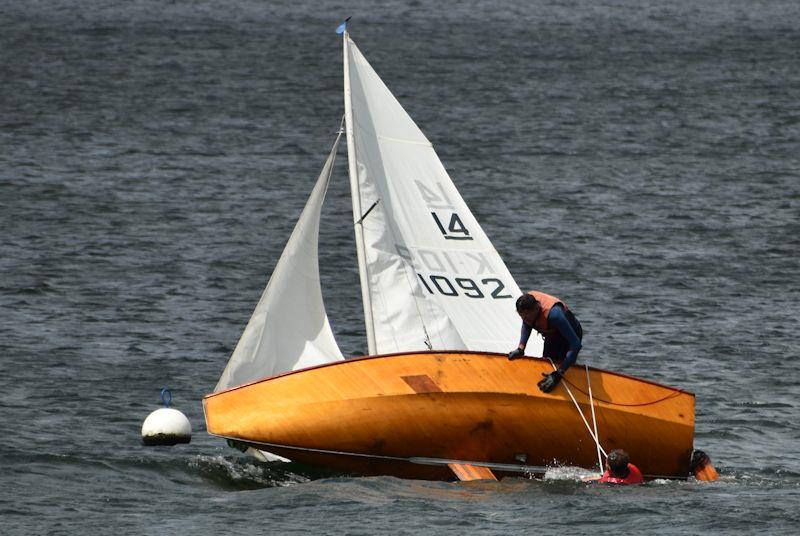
[[563, 346]]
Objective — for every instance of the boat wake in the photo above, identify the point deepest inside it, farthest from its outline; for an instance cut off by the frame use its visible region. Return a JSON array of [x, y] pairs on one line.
[[237, 473]]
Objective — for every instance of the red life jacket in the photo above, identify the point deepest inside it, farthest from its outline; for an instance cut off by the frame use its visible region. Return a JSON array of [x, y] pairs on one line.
[[547, 302], [634, 476]]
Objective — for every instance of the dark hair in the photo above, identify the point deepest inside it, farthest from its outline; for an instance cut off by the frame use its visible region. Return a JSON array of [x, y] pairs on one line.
[[618, 463], [526, 302], [699, 460]]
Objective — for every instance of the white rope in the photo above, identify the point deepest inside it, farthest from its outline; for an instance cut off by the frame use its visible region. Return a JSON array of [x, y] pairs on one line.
[[594, 421], [588, 428]]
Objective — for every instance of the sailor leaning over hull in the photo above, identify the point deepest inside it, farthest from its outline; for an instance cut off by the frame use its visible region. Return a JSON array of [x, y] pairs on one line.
[[557, 324]]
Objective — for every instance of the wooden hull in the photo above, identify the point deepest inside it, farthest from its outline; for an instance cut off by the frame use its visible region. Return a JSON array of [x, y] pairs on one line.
[[370, 415]]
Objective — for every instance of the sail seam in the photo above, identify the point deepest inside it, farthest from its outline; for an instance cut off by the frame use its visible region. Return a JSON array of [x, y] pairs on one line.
[[398, 140]]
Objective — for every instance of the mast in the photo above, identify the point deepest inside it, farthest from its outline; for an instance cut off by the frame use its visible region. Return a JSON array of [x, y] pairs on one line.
[[355, 194]]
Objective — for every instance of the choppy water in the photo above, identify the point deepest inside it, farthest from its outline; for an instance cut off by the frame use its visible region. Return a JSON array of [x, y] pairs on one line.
[[639, 159]]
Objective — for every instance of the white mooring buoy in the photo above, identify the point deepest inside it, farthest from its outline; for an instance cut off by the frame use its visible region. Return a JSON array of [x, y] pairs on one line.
[[166, 426]]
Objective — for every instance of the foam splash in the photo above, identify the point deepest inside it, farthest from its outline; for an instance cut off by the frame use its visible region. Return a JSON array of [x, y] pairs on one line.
[[245, 473], [568, 473]]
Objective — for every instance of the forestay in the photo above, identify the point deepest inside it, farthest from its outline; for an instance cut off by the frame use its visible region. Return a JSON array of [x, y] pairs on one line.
[[289, 329], [430, 276]]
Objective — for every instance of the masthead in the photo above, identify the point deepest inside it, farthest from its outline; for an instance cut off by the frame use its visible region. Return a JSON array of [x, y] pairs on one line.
[[343, 26]]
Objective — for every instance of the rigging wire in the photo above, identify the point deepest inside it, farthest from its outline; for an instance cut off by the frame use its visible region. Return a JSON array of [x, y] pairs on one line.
[[420, 460], [427, 341], [676, 392]]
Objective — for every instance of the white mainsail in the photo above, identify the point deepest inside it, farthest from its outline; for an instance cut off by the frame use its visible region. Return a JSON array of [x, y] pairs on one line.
[[430, 276], [289, 328]]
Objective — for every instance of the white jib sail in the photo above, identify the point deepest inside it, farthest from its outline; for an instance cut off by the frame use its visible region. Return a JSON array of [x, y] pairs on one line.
[[433, 278], [289, 329]]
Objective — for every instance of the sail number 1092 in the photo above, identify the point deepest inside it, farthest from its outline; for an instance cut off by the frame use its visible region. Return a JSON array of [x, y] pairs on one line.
[[464, 286]]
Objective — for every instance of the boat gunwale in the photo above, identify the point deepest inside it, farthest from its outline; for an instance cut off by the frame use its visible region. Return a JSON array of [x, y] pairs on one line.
[[429, 352]]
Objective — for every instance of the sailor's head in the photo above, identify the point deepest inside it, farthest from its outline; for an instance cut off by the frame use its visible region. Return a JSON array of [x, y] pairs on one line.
[[528, 308], [701, 467], [618, 461]]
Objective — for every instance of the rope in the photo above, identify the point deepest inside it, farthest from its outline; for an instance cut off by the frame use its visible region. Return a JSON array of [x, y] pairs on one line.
[[419, 460], [594, 420], [673, 394], [588, 428]]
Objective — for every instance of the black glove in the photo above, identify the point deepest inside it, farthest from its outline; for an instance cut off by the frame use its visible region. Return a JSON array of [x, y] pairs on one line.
[[549, 382], [516, 353]]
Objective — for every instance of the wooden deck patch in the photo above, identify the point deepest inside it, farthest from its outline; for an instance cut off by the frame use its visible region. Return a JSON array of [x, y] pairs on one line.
[[422, 384]]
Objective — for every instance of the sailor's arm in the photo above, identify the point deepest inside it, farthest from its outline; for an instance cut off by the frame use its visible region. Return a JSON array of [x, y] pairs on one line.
[[524, 335]]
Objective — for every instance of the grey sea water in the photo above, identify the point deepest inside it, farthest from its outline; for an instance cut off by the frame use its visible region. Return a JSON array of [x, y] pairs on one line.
[[640, 159]]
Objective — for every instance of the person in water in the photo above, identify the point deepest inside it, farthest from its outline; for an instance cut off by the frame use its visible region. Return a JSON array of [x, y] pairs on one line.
[[702, 468], [619, 469], [561, 331]]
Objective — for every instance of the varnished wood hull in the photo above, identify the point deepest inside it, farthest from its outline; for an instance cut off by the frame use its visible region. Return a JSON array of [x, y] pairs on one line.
[[369, 415]]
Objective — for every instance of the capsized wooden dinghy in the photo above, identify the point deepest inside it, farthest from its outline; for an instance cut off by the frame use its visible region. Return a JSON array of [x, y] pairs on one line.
[[393, 414], [436, 389]]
